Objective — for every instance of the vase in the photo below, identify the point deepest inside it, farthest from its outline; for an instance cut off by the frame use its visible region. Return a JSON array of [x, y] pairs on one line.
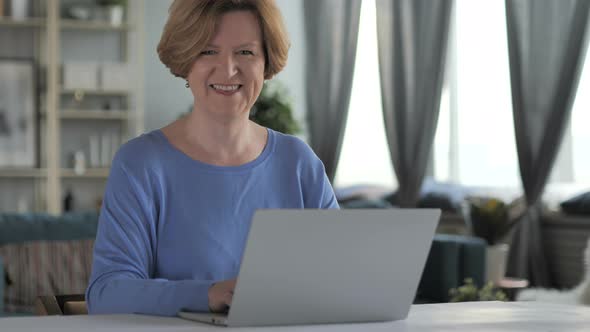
[[496, 257], [115, 15], [19, 9]]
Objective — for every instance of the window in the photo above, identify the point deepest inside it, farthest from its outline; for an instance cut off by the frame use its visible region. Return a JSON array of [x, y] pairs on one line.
[[579, 125], [364, 158], [475, 143], [571, 172]]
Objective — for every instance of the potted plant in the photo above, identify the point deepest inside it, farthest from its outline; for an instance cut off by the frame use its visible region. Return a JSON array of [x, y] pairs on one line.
[[470, 292], [492, 220], [114, 10], [273, 109]]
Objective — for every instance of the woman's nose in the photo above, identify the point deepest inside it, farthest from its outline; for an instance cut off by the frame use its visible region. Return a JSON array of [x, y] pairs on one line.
[[229, 65]]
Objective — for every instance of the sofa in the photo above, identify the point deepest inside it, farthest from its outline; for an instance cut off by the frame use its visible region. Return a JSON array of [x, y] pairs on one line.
[[451, 260], [48, 255], [41, 254]]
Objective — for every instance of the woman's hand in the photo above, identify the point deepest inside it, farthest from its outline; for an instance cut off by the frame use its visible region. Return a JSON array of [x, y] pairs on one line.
[[221, 295]]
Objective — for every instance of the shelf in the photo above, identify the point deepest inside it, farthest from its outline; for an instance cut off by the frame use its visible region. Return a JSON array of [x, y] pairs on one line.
[[121, 93], [22, 172], [92, 115], [90, 173], [69, 24], [66, 24], [31, 22]]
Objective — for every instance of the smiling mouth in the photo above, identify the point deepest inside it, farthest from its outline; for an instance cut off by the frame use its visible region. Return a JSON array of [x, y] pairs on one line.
[[227, 88]]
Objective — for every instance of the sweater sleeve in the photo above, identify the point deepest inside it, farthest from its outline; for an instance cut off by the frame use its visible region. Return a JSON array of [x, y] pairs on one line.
[[319, 193], [124, 255]]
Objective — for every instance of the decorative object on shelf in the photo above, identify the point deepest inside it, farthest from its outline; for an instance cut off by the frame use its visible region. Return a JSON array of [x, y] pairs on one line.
[[19, 9], [79, 96], [94, 147], [492, 220], [79, 162], [469, 292], [273, 109], [114, 10], [68, 201], [106, 106], [102, 148], [80, 76], [115, 76], [18, 125], [105, 150], [115, 144], [22, 205], [78, 12]]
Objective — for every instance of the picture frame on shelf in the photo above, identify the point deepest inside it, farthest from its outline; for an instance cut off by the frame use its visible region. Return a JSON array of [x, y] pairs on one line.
[[18, 113]]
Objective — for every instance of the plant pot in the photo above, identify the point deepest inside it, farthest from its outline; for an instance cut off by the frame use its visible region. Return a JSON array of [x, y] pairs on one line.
[[496, 257], [115, 15], [19, 9]]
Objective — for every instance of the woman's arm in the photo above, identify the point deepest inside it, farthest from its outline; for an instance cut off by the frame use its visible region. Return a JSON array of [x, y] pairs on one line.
[[318, 191], [123, 263]]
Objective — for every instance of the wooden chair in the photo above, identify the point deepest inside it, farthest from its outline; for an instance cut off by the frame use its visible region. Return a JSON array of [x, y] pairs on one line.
[[61, 305]]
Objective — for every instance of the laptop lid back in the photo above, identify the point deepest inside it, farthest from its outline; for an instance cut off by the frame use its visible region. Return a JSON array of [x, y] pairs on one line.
[[331, 266]]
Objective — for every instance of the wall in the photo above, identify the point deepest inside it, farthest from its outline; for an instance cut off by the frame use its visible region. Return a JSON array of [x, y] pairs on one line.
[[165, 95]]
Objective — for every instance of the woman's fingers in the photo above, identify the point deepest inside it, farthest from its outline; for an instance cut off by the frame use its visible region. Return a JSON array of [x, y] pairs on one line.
[[229, 296]]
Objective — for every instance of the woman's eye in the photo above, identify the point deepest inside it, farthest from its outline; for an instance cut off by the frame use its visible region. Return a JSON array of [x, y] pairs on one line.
[[246, 52], [208, 52]]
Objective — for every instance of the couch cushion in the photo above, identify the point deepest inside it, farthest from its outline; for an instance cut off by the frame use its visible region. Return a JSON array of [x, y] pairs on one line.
[[579, 204], [451, 259], [18, 228], [45, 268], [365, 204]]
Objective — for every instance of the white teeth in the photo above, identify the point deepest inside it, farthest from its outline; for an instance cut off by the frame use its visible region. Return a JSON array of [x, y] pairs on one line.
[[225, 87]]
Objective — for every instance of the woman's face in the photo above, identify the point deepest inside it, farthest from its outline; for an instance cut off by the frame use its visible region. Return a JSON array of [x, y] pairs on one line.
[[228, 75]]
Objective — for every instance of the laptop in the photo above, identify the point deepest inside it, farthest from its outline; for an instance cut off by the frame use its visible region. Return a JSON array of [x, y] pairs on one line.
[[328, 266]]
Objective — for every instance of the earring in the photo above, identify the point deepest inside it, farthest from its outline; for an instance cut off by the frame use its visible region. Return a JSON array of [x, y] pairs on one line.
[[187, 85]]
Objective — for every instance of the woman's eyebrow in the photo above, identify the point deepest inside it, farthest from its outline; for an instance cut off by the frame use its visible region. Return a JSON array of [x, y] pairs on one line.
[[250, 44]]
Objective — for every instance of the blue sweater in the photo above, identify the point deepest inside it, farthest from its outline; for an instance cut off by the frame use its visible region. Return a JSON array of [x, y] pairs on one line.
[[171, 226]]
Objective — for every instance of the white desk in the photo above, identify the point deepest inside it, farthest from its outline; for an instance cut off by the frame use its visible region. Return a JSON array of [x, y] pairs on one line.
[[474, 316]]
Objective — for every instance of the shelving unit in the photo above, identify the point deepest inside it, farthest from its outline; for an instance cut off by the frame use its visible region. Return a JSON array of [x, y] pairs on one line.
[[62, 127], [91, 115], [28, 23], [23, 173], [94, 115], [121, 93], [99, 26], [93, 173]]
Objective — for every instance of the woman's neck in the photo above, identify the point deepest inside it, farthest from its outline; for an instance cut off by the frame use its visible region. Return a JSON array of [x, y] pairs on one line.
[[222, 142]]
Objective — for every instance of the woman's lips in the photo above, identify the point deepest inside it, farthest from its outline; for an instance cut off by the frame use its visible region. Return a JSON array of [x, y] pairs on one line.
[[226, 89]]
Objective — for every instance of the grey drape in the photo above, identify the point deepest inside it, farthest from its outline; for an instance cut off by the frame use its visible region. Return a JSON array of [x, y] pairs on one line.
[[331, 30], [412, 36], [546, 49]]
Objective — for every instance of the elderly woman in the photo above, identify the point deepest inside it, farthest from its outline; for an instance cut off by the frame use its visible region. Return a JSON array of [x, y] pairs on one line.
[[179, 200]]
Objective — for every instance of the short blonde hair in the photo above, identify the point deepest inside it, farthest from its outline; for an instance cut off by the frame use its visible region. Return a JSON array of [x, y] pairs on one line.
[[191, 25]]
